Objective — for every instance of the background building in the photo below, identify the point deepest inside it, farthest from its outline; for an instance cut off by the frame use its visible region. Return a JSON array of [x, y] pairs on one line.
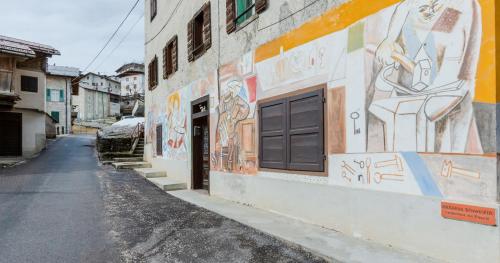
[[95, 97], [373, 118], [22, 96], [58, 96], [131, 77]]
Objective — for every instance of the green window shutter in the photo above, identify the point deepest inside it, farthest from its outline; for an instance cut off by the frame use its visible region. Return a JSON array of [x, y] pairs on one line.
[[55, 115], [61, 95], [48, 94]]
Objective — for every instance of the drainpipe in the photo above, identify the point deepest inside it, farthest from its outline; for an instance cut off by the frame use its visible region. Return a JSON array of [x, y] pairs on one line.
[[66, 106]]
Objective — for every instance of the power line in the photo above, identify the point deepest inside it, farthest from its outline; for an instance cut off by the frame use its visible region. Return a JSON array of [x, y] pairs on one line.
[[112, 36], [166, 23], [121, 42]]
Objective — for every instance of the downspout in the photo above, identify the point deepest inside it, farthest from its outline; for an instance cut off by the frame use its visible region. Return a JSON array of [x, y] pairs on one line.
[[66, 107]]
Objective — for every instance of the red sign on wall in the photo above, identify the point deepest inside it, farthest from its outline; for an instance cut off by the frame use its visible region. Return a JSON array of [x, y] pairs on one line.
[[469, 213]]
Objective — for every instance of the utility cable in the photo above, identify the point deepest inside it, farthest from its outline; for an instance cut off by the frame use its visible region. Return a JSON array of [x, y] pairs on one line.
[[166, 23], [112, 36], [120, 43]]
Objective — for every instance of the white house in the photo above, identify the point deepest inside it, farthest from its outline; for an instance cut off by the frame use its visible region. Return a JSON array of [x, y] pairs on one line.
[[95, 97], [58, 96]]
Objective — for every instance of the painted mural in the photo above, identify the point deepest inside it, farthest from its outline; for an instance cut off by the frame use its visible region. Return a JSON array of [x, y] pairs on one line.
[[176, 126], [235, 135], [405, 112], [176, 134]]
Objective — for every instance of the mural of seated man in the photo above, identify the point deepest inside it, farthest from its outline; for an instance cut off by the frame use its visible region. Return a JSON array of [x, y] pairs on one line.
[[429, 59]]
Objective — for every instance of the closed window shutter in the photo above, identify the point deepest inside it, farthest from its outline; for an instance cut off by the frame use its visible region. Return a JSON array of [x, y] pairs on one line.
[[272, 135], [48, 94], [260, 6], [190, 39], [174, 55], [159, 141], [230, 16], [165, 67], [305, 132], [207, 26], [155, 71], [61, 95]]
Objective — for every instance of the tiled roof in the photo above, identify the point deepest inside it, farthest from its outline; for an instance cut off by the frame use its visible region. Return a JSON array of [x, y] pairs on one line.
[[21, 47], [63, 71]]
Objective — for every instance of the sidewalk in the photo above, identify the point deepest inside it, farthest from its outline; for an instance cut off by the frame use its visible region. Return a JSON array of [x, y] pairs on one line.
[[327, 243]]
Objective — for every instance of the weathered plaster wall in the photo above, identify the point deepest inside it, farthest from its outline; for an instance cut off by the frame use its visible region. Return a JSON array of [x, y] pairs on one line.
[[411, 112], [30, 100], [33, 131]]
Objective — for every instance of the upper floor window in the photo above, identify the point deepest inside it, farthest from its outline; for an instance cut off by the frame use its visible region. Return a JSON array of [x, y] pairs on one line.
[[199, 33], [239, 11], [154, 9], [29, 84], [153, 73], [55, 95], [170, 58], [244, 10], [6, 71]]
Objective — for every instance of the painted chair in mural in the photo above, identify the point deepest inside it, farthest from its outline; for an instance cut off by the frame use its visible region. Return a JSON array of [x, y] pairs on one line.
[[431, 58]]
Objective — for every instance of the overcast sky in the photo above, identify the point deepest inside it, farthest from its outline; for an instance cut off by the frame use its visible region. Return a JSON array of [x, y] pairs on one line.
[[79, 29]]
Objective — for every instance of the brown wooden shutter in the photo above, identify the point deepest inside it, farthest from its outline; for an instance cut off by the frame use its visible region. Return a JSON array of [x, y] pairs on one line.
[[230, 16], [272, 135], [149, 75], [207, 26], [174, 55], [260, 6], [305, 132], [165, 58], [190, 39], [159, 140]]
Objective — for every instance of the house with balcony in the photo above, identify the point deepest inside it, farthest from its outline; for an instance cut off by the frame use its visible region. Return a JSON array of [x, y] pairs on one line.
[[23, 69]]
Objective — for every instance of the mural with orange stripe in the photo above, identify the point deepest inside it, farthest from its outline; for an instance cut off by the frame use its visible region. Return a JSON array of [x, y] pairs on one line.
[[345, 15]]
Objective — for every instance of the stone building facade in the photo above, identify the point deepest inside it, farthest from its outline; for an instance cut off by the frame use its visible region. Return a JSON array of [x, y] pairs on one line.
[[373, 118]]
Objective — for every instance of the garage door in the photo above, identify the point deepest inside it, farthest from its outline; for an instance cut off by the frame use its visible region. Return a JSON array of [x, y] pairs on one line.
[[10, 134]]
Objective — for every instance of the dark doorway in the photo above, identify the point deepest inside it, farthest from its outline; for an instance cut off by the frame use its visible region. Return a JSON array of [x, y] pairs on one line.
[[11, 134], [200, 136]]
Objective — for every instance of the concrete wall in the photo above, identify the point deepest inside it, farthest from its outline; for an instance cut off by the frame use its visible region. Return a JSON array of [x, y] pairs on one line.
[[405, 221], [57, 83], [396, 146], [33, 131], [30, 100]]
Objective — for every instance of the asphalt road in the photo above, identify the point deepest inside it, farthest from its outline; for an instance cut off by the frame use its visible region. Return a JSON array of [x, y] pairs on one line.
[[63, 207]]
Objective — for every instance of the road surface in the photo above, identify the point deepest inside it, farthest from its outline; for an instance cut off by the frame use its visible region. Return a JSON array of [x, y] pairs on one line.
[[64, 207]]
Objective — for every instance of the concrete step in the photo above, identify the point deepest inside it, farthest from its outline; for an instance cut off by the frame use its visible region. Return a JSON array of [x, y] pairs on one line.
[[167, 184], [150, 172], [128, 159], [131, 165]]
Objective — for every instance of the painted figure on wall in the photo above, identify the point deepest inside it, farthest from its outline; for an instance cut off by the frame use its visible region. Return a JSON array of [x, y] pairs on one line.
[[232, 110], [175, 133], [428, 68]]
